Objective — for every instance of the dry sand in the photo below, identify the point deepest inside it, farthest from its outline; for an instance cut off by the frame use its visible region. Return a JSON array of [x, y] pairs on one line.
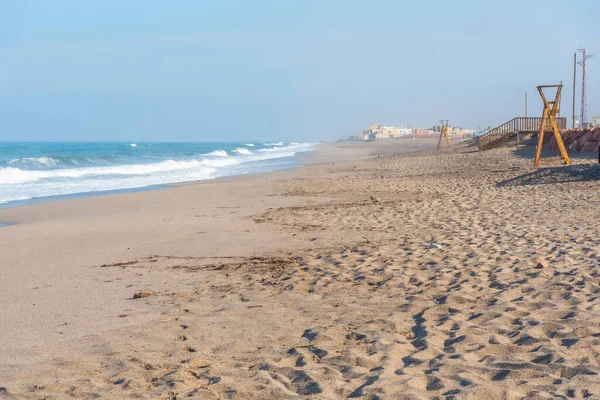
[[451, 274]]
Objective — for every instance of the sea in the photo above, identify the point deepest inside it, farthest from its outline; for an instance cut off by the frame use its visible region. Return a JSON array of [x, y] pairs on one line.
[[34, 172]]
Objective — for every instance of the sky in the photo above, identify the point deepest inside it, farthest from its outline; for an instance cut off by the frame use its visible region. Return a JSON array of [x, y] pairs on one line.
[[203, 70]]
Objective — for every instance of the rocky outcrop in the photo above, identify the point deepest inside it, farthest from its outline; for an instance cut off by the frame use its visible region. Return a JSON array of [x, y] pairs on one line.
[[584, 140]]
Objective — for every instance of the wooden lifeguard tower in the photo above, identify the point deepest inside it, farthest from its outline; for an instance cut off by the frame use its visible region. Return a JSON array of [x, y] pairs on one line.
[[444, 133], [551, 110]]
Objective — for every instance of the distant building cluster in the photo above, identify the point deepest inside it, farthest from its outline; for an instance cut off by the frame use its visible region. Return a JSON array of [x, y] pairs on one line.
[[377, 132], [383, 132]]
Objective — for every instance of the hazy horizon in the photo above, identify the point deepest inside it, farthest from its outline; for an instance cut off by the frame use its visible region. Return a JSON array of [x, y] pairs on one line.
[[266, 70]]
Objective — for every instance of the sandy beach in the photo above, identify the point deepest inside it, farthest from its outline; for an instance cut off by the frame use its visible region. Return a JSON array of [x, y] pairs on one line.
[[384, 270]]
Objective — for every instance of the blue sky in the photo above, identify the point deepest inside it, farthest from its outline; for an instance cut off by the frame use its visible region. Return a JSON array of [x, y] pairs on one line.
[[297, 70]]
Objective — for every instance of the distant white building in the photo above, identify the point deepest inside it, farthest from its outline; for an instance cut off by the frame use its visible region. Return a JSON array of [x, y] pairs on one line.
[[384, 132]]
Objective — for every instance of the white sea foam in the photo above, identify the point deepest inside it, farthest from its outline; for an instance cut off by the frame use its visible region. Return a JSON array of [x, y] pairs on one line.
[[30, 190], [298, 147], [275, 144], [11, 175], [241, 150], [14, 198], [133, 145], [249, 145], [218, 153]]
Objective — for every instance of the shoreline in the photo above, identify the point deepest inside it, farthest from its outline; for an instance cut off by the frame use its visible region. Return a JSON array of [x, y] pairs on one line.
[[28, 176], [304, 159], [45, 199], [77, 195]]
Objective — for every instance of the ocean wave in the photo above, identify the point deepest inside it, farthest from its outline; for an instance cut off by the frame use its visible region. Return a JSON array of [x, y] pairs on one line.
[[35, 177], [11, 175], [242, 151], [217, 153], [39, 161], [133, 145], [249, 145], [45, 162], [274, 144]]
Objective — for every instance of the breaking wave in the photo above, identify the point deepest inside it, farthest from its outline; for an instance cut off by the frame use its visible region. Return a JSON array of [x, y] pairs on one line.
[[41, 161], [218, 153], [241, 150]]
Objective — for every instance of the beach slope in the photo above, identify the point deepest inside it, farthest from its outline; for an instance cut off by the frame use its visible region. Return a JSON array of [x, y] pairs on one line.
[[450, 273]]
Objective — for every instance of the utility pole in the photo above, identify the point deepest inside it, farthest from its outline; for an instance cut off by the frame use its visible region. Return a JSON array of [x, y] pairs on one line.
[[583, 63], [574, 83], [525, 104]]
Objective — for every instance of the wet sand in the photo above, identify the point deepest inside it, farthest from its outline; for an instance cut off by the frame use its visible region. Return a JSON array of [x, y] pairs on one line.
[[433, 274]]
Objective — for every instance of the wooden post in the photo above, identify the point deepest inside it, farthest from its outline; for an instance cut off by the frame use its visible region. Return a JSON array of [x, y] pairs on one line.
[[538, 149]]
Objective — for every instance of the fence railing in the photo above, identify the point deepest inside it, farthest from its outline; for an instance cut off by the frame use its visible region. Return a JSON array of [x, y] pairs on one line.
[[507, 130]]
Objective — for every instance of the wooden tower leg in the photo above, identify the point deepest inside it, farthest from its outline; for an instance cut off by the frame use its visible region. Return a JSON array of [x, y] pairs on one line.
[[559, 142], [538, 149]]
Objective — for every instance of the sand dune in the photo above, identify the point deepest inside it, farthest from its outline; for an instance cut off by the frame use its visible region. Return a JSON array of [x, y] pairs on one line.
[[453, 274]]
